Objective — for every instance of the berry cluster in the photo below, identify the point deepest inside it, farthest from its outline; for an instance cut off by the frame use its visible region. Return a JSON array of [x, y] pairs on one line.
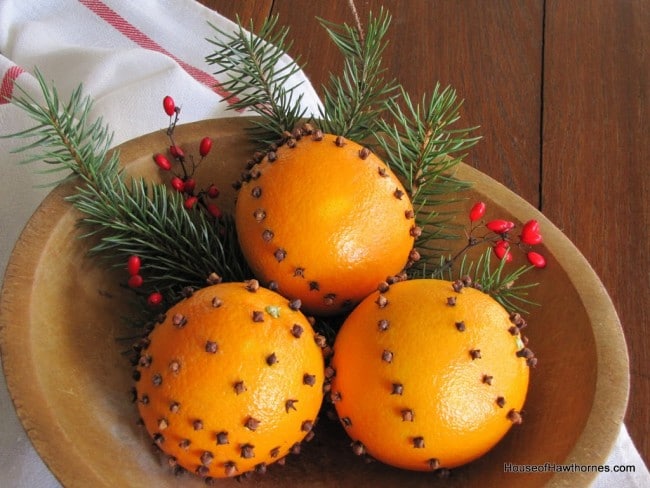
[[183, 181], [500, 236], [133, 266]]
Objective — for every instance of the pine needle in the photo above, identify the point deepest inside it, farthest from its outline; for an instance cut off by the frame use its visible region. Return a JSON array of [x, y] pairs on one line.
[[178, 248], [422, 145], [259, 75], [355, 100]]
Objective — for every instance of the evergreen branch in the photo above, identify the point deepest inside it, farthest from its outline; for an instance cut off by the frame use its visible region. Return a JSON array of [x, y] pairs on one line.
[[422, 147], [501, 286], [421, 144], [354, 101], [178, 248], [493, 280], [258, 78]]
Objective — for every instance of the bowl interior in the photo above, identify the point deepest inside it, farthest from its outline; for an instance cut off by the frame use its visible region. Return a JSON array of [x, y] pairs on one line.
[[61, 314]]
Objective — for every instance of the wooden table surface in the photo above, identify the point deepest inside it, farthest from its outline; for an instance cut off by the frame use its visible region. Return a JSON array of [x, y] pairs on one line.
[[560, 90]]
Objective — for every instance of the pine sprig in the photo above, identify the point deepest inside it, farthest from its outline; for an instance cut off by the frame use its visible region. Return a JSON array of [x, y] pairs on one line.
[[127, 216], [494, 280], [64, 134], [259, 79], [422, 146], [355, 100]]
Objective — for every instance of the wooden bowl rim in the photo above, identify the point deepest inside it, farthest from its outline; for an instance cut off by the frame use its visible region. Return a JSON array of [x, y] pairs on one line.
[[21, 370]]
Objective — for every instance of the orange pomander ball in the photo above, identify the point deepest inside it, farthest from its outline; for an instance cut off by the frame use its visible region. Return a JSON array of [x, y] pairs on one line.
[[324, 220]]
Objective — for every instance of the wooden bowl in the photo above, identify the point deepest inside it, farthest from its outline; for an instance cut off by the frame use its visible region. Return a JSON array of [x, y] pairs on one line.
[[60, 315]]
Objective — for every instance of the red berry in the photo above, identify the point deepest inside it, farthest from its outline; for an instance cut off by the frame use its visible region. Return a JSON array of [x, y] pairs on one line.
[[169, 105], [178, 184], [477, 211], [162, 162], [133, 265], [136, 281], [190, 202], [205, 146], [190, 184], [177, 152], [213, 191], [500, 226], [536, 259], [154, 299], [502, 250], [530, 233], [214, 210]]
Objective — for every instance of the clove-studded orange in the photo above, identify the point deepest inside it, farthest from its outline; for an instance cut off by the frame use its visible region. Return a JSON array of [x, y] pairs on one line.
[[429, 374], [324, 220], [230, 381]]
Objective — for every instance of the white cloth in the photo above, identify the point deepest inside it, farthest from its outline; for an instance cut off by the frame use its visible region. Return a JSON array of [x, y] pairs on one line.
[[128, 55]]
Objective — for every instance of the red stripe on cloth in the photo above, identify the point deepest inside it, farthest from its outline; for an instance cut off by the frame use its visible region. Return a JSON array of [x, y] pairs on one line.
[[8, 82], [141, 39]]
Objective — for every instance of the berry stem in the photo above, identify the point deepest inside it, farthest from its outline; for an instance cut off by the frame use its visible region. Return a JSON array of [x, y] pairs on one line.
[[357, 21]]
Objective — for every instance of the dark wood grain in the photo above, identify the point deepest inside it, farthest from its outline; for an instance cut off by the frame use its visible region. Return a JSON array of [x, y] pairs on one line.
[[595, 183], [430, 42], [560, 90], [247, 10]]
